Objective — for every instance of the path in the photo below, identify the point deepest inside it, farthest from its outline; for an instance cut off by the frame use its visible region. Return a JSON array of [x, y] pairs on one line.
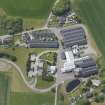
[[25, 81], [56, 95], [48, 19], [32, 87]]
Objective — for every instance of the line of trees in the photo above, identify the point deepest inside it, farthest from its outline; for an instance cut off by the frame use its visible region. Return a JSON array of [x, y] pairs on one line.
[[8, 56]]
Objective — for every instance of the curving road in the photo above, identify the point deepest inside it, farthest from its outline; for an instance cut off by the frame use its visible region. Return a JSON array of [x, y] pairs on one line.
[[25, 81], [23, 77]]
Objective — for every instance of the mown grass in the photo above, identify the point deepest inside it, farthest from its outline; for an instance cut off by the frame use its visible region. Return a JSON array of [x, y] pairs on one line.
[[22, 55], [42, 84], [32, 98], [17, 83], [92, 13]]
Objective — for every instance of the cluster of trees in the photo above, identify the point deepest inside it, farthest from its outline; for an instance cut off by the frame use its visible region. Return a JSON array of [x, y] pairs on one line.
[[83, 102], [61, 7], [7, 56], [99, 98], [45, 75], [55, 58], [10, 25]]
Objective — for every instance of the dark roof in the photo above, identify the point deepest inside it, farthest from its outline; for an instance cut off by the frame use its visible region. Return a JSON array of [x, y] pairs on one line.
[[73, 37], [84, 72], [62, 19], [63, 55], [85, 63], [40, 44]]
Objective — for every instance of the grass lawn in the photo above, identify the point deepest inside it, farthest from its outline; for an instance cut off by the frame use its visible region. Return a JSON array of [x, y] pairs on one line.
[[17, 83], [32, 99], [29, 23], [98, 103], [4, 89], [61, 95], [41, 84], [22, 55], [92, 13]]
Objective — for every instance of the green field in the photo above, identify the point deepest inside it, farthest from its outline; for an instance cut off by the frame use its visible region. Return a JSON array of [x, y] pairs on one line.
[[22, 55], [42, 84], [92, 13], [33, 12], [32, 99], [27, 8], [4, 89]]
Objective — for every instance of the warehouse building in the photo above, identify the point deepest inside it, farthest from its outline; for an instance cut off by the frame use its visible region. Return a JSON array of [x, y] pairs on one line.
[[42, 44], [69, 64], [85, 62], [73, 37], [85, 67], [85, 72], [40, 39]]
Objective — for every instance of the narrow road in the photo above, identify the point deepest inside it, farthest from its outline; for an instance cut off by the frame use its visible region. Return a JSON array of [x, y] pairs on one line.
[[56, 95]]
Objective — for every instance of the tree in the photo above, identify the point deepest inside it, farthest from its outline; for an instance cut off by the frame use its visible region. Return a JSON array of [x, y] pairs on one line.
[[99, 98], [89, 83], [83, 102], [61, 7]]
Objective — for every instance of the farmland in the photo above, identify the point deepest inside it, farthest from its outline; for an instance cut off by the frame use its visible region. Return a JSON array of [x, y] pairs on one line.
[[92, 13], [34, 99], [4, 89], [33, 12], [27, 8]]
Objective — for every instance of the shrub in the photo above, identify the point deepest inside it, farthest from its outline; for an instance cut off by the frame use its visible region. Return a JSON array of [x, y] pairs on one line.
[[99, 98]]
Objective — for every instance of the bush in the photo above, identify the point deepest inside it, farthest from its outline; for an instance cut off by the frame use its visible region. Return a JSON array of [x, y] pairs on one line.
[[47, 78], [89, 83], [83, 102], [99, 98]]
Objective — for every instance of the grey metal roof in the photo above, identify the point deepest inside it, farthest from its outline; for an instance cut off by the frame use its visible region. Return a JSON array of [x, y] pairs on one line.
[[40, 44], [85, 63], [84, 72], [73, 36]]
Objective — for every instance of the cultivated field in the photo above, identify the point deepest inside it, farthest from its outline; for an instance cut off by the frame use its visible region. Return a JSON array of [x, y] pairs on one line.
[[32, 99], [27, 8], [4, 89], [92, 13], [33, 12]]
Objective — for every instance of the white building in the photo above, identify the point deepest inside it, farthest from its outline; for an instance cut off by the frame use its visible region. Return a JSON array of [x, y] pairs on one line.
[[69, 64], [75, 50], [52, 69], [32, 58], [32, 73]]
